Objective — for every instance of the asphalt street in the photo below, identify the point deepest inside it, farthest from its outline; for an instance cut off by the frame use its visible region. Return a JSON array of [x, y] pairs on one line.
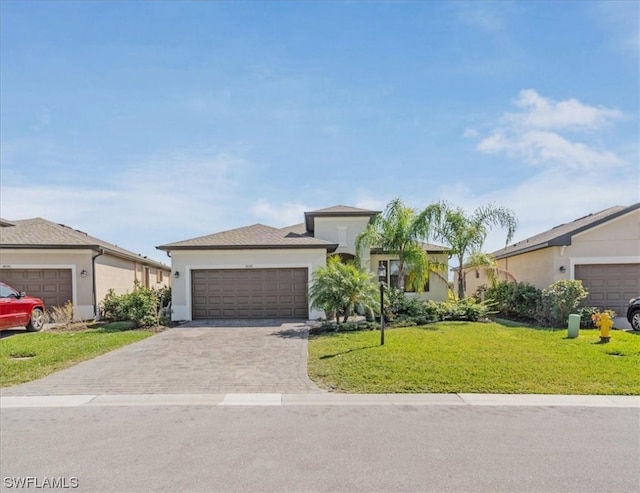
[[322, 448]]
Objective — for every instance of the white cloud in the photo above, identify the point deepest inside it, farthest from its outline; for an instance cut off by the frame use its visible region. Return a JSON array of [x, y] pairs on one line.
[[154, 201], [544, 113], [552, 197], [279, 215], [549, 147], [538, 133]]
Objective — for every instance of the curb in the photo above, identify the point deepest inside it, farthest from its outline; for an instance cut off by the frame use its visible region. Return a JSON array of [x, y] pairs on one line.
[[322, 399]]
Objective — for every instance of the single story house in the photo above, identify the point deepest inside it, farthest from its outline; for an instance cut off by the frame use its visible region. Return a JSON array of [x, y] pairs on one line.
[[263, 272], [59, 264], [602, 250]]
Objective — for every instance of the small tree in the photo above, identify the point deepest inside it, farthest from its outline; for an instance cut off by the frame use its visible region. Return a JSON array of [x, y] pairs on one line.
[[339, 287], [465, 234], [400, 231]]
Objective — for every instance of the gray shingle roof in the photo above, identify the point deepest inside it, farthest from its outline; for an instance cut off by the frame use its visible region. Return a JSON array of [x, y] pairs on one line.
[[341, 209], [296, 228], [257, 236], [562, 234], [41, 233]]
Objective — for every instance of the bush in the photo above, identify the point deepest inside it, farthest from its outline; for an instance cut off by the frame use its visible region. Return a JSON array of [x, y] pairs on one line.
[[515, 300], [467, 309], [400, 306], [586, 322], [329, 326], [61, 316], [142, 306], [559, 301]]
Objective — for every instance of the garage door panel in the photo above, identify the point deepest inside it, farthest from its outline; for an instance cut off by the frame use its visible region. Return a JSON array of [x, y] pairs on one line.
[[250, 293], [610, 286], [53, 286]]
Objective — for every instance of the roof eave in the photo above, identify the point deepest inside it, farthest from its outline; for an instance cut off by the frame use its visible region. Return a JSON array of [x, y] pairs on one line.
[[331, 247], [531, 248], [95, 248], [566, 238]]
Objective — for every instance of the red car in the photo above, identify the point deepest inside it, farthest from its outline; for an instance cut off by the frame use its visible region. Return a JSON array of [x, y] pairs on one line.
[[19, 310]]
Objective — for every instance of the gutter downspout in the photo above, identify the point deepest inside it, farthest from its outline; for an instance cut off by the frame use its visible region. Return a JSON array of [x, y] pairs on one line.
[[93, 281]]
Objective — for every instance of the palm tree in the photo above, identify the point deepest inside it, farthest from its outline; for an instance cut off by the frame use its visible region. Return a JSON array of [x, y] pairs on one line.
[[465, 235], [339, 287], [399, 231]]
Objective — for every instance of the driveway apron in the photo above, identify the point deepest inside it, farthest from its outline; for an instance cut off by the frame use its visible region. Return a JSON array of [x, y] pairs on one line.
[[194, 358]]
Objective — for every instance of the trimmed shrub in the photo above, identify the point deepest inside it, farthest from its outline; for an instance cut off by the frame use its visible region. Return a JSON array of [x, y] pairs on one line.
[[515, 300], [467, 309], [559, 301], [142, 306]]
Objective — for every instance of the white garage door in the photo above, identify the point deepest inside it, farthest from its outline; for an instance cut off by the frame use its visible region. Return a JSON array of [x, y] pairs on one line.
[[610, 286]]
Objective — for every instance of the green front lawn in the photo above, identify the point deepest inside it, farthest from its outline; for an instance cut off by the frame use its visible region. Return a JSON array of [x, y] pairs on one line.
[[450, 357], [29, 356]]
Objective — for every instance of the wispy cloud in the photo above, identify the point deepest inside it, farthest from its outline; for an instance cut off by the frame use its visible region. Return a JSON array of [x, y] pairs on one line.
[[158, 200], [543, 132], [544, 113], [549, 198], [279, 215], [487, 16], [572, 178], [620, 22]]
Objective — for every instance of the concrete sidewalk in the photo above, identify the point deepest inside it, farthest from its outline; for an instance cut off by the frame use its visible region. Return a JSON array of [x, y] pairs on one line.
[[320, 399]]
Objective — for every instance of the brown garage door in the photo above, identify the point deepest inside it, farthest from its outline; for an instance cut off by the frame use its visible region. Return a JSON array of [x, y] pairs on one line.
[[53, 286], [610, 286], [249, 293]]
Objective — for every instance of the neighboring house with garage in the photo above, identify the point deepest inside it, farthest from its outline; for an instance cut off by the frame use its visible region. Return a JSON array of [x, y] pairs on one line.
[[601, 249], [60, 264], [263, 272]]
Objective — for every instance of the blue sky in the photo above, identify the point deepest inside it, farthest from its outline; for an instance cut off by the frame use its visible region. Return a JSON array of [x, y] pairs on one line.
[[144, 123]]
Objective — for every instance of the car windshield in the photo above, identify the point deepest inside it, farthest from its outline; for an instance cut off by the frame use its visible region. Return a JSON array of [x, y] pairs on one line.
[[6, 291]]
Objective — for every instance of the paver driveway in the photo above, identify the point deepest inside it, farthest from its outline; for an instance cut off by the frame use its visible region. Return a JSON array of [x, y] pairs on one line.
[[194, 358]]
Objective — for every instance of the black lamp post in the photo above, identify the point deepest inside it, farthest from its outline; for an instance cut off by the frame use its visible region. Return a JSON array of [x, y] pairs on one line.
[[382, 277]]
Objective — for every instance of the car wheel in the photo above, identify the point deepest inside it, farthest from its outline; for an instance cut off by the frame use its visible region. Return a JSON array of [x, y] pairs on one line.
[[635, 320], [37, 320]]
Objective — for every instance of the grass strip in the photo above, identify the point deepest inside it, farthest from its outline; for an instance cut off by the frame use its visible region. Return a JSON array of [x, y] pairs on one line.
[[29, 356], [451, 357]]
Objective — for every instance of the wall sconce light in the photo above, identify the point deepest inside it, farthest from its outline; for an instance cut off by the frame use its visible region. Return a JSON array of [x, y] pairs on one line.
[[562, 268], [176, 274], [83, 273]]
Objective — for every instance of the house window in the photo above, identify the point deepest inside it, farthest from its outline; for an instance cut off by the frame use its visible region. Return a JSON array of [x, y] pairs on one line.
[[159, 276], [394, 278], [394, 269]]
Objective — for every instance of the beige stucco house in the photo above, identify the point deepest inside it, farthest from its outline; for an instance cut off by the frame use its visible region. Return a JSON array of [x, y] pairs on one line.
[[59, 264], [263, 272], [602, 250]]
